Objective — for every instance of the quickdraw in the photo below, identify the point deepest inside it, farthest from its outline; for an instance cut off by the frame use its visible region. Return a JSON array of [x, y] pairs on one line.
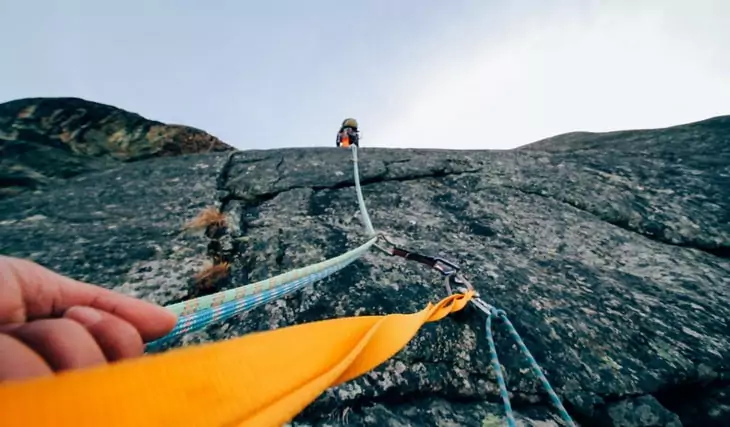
[[453, 279]]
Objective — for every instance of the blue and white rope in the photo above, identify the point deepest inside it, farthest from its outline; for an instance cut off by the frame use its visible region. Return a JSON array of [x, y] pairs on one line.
[[197, 313], [534, 366], [206, 316], [494, 359]]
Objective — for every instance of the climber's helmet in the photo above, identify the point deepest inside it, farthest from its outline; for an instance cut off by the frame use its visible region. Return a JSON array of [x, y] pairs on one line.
[[351, 123]]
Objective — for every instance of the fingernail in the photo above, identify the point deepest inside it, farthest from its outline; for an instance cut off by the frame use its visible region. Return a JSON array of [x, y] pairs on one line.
[[87, 316]]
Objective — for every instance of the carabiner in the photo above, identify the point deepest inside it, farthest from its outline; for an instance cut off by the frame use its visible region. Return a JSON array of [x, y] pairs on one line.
[[443, 266], [463, 285]]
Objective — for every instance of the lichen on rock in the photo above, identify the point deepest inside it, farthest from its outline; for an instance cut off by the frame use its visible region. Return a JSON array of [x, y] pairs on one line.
[[608, 253]]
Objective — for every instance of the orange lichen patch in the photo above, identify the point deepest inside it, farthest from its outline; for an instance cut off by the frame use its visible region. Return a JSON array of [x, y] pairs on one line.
[[118, 137], [186, 139], [209, 216], [210, 276], [27, 112], [157, 132]]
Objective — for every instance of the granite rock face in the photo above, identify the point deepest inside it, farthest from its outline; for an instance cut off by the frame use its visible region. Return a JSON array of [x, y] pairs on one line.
[[610, 257], [44, 140]]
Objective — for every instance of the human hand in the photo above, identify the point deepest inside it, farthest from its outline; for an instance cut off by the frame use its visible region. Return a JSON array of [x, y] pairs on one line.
[[51, 323]]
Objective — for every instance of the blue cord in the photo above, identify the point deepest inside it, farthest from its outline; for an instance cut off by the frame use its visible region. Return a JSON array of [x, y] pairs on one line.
[[533, 365]]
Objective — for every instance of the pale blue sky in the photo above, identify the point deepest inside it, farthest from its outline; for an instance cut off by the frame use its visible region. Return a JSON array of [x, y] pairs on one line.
[[415, 73]]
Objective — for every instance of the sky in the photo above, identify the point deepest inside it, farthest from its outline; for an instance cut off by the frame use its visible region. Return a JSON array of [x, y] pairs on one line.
[[478, 74]]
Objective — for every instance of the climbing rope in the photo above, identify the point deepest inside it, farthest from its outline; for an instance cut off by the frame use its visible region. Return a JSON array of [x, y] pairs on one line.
[[534, 366], [360, 200], [450, 271], [207, 384], [198, 313]]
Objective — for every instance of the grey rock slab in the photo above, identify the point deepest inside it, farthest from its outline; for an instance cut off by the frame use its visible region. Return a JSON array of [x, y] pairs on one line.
[[610, 263], [121, 228], [606, 311]]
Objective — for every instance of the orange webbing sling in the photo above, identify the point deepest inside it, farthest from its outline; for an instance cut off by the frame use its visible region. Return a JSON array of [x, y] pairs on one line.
[[261, 379]]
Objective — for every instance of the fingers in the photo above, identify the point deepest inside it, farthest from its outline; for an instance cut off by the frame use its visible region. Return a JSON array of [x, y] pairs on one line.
[[12, 306], [44, 293], [26, 290], [117, 338], [62, 343], [98, 325], [150, 320], [85, 337], [18, 361]]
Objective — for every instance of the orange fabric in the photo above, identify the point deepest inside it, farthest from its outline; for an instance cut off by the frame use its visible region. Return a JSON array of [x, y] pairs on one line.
[[261, 379], [345, 140]]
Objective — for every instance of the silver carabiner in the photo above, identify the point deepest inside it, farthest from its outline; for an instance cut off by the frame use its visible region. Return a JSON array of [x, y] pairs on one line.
[[458, 279]]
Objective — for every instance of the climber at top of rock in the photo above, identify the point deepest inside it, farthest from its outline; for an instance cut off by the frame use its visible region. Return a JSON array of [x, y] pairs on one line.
[[348, 133]]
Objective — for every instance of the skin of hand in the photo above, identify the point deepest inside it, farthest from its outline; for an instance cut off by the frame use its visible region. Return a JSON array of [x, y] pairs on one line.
[[51, 323]]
